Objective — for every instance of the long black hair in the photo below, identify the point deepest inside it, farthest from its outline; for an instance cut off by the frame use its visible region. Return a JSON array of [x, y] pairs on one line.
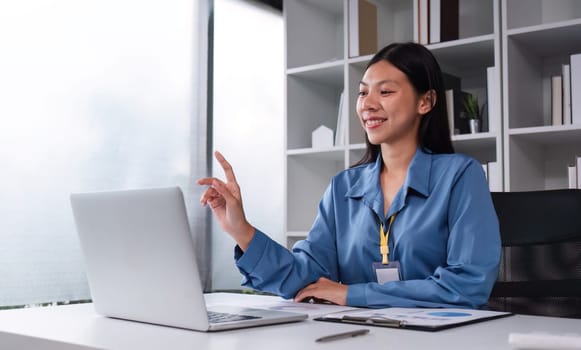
[[424, 73]]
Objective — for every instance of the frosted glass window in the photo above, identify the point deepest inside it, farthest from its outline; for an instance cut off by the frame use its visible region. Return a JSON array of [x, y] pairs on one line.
[[94, 95], [249, 120]]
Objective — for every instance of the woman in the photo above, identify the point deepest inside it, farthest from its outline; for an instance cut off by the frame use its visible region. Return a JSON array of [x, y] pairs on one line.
[[411, 225]]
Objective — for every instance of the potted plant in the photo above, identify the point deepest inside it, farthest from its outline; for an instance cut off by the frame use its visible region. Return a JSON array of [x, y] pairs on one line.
[[473, 112]]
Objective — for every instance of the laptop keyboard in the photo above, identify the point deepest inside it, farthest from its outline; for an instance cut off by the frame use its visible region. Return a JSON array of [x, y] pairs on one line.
[[221, 317]]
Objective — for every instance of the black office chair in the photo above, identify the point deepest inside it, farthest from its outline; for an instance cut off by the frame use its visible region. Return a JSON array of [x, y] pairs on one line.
[[540, 272]]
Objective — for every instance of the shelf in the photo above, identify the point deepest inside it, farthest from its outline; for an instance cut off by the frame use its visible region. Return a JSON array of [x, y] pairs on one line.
[[394, 21], [534, 55], [360, 61], [481, 139], [462, 54], [552, 39], [529, 13], [539, 156], [330, 73], [457, 55], [297, 234], [357, 146], [311, 173], [548, 135], [481, 146], [540, 35], [317, 25], [313, 95], [335, 153], [319, 69], [476, 18], [465, 54]]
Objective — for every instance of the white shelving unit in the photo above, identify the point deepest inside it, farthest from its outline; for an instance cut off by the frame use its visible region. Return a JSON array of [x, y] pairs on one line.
[[538, 36], [319, 69]]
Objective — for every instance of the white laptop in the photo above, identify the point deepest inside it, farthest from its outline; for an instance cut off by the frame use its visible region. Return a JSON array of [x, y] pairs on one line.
[[141, 263]]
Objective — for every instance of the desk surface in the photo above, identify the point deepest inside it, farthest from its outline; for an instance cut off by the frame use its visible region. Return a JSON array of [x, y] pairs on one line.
[[78, 327]]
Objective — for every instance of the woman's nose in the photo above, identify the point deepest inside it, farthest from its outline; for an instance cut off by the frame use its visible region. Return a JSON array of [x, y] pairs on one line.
[[370, 101]]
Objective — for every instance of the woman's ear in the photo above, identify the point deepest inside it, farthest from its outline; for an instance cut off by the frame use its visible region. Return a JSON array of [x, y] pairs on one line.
[[426, 102]]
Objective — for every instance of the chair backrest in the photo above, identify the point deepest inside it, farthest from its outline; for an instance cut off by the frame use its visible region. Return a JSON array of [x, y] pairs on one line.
[[541, 265]]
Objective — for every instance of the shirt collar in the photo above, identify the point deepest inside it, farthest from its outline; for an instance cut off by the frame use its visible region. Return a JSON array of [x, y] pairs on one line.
[[417, 178]]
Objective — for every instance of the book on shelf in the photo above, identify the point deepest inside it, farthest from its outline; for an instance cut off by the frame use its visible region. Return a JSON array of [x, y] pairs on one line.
[[578, 163], [493, 96], [340, 131], [449, 20], [485, 169], [454, 102], [494, 176], [572, 176], [416, 21], [556, 100], [566, 74], [576, 88], [443, 20], [435, 12], [450, 111], [422, 23], [362, 28]]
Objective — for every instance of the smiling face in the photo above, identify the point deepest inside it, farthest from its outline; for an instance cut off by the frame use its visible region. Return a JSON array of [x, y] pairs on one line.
[[389, 108]]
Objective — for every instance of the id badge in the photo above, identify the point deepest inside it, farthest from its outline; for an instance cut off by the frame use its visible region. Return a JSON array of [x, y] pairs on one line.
[[387, 273]]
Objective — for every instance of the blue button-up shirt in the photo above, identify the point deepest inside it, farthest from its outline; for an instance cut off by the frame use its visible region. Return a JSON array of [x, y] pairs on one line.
[[445, 237]]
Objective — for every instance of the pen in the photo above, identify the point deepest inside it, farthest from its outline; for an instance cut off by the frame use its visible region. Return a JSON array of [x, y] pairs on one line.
[[349, 334]]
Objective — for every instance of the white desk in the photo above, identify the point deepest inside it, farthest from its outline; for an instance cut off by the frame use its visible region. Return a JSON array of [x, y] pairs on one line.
[[78, 327]]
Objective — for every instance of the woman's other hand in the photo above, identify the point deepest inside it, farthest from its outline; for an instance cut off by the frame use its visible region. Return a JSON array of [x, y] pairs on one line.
[[324, 289]]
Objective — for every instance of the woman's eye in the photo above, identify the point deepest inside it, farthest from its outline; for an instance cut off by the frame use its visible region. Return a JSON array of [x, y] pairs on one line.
[[362, 93], [385, 92]]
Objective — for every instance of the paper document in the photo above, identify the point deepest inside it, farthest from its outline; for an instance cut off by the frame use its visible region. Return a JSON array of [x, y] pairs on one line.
[[276, 303]]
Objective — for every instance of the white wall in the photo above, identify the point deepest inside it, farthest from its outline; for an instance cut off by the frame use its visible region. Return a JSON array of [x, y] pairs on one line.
[[248, 120]]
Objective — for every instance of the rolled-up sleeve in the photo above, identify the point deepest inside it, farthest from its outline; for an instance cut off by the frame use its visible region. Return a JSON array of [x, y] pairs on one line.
[[268, 266]]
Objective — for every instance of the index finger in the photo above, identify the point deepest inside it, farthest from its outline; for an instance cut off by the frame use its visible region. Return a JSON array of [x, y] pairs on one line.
[[226, 166]]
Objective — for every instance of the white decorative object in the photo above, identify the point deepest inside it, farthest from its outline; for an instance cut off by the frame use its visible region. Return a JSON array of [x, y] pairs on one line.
[[434, 21], [566, 94], [340, 133], [572, 175], [579, 173], [576, 88], [493, 95], [494, 177], [474, 126], [322, 137], [557, 100]]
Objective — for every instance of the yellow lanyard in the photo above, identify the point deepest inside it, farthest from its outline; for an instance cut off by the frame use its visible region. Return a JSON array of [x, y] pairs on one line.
[[383, 240]]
